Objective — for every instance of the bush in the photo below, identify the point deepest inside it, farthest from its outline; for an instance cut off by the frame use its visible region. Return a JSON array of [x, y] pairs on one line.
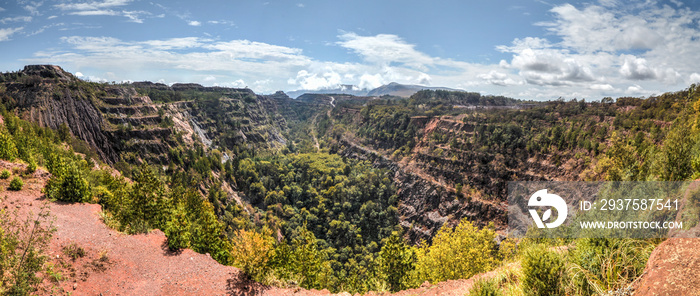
[[74, 251], [485, 287], [542, 271], [5, 174], [252, 252], [23, 248], [16, 184], [457, 253], [8, 150], [31, 167], [69, 186], [178, 229], [600, 264]]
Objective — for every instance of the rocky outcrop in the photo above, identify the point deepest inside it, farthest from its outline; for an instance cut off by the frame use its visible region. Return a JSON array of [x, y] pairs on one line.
[[672, 269], [59, 100], [423, 205], [119, 119]]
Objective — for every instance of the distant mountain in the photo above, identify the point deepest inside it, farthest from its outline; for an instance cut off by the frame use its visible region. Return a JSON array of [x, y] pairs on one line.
[[392, 89], [341, 89], [402, 90]]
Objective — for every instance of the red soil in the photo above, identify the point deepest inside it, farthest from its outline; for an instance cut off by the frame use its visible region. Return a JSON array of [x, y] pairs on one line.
[[116, 263]]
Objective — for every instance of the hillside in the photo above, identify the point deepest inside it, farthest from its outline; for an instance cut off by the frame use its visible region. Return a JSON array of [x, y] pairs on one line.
[[329, 191], [391, 89], [401, 90]]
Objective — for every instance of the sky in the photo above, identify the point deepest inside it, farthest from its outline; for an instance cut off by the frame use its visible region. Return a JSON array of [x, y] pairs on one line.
[[525, 49]]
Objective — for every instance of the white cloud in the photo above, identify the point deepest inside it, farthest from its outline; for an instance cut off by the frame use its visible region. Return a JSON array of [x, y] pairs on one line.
[[16, 19], [94, 5], [613, 47], [135, 16], [300, 5], [94, 12], [6, 33], [604, 87], [108, 7], [238, 83], [499, 78], [385, 49], [327, 80], [635, 90], [33, 7], [194, 23], [636, 68], [694, 78], [209, 78], [78, 74], [175, 43], [371, 81], [424, 79], [222, 22], [51, 17]]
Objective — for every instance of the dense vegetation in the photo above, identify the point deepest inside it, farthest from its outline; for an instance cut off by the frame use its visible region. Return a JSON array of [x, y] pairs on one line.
[[314, 219]]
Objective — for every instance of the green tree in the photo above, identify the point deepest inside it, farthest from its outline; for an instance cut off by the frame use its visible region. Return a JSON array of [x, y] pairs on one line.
[[677, 153], [457, 253], [147, 204], [8, 150], [177, 229], [68, 185], [251, 251], [397, 262]]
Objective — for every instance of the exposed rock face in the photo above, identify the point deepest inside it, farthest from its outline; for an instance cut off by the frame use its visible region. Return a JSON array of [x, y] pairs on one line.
[[52, 105], [117, 119], [424, 206], [47, 71]]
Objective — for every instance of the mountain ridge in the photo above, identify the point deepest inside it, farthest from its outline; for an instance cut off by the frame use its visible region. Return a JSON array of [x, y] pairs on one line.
[[391, 89]]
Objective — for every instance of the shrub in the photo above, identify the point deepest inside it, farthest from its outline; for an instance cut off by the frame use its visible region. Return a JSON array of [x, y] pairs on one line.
[[397, 262], [31, 167], [252, 252], [177, 229], [5, 174], [16, 184], [542, 270], [8, 150], [600, 264], [485, 287], [457, 253], [74, 251], [69, 186], [22, 252]]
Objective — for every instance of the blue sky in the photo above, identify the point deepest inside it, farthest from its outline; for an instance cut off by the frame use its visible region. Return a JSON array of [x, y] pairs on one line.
[[527, 49]]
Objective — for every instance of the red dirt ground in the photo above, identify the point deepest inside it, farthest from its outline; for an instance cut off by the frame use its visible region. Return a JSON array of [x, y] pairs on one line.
[[116, 263]]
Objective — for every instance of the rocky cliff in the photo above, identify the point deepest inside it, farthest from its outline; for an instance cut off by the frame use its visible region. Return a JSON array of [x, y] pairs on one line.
[[122, 122]]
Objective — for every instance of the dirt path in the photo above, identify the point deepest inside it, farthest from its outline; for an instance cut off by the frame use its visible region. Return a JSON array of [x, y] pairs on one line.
[[314, 132]]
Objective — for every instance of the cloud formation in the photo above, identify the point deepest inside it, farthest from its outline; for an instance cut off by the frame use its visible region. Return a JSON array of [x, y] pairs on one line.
[[6, 33], [607, 47], [590, 50]]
